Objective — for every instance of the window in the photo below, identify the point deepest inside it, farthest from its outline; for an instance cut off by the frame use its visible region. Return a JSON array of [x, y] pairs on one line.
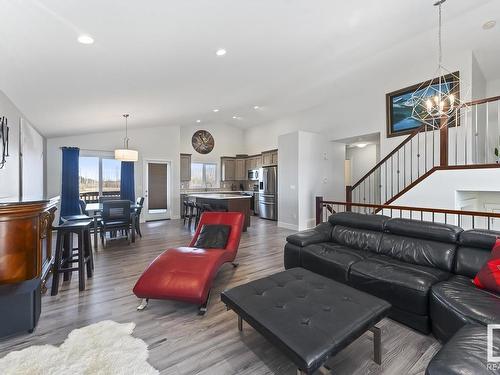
[[203, 175], [99, 175]]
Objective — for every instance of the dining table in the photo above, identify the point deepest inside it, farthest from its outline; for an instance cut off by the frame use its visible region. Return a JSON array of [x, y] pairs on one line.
[[94, 211]]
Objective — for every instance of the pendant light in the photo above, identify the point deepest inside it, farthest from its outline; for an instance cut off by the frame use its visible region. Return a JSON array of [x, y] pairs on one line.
[[437, 102], [126, 154]]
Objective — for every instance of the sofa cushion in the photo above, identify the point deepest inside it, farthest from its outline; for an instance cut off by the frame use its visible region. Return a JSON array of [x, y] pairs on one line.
[[360, 221], [321, 233], [424, 230], [456, 302], [465, 353], [331, 260], [418, 251], [474, 250], [359, 239], [405, 286], [488, 276]]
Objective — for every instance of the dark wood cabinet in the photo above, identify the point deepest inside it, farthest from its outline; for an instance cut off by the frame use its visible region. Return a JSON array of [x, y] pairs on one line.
[[26, 240]]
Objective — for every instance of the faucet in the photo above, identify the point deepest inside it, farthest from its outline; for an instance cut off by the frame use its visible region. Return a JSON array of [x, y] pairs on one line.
[[206, 185]]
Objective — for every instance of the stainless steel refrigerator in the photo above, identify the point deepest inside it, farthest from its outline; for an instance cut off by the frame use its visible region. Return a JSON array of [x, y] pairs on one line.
[[268, 193]]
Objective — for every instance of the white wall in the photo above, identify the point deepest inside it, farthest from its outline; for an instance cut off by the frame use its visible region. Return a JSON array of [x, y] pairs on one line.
[[10, 181], [439, 189], [493, 88], [228, 142], [162, 143], [362, 160], [357, 104], [32, 144], [288, 180], [309, 166]]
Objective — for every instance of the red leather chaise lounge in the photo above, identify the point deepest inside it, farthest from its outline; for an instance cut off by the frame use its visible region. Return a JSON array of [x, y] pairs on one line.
[[186, 273]]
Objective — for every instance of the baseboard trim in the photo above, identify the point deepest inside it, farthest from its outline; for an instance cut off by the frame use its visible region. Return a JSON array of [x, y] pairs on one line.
[[288, 226]]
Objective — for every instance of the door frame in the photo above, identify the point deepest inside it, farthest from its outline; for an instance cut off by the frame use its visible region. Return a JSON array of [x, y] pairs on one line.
[[145, 212]]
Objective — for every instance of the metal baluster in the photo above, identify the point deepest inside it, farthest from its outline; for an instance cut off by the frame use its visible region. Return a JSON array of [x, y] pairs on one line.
[[385, 176], [397, 168], [433, 146], [466, 130], [486, 138], [400, 214], [488, 218], [445, 218], [392, 177], [421, 215], [432, 216], [456, 136], [425, 147], [418, 154], [473, 222], [369, 190], [459, 219], [410, 214], [411, 160], [475, 139], [364, 191], [404, 166]]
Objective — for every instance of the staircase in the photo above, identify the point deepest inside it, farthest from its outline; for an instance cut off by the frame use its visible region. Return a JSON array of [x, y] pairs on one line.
[[468, 141]]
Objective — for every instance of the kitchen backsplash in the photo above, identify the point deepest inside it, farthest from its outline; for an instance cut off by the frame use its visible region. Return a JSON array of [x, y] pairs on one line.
[[224, 186]]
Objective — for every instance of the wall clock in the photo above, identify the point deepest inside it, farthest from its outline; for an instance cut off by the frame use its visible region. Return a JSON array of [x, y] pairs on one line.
[[203, 142]]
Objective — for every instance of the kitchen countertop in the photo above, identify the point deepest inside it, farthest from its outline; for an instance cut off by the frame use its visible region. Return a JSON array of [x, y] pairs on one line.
[[188, 192], [219, 196]]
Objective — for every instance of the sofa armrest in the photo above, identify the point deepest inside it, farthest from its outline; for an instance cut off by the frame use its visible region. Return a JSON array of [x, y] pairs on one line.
[[322, 233]]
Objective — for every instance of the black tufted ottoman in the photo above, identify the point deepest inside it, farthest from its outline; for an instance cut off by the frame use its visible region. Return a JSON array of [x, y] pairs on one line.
[[308, 316]]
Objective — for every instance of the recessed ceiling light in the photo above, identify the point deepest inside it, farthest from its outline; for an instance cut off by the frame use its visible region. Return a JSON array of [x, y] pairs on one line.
[[198, 121], [489, 25], [256, 107], [215, 110], [237, 117], [85, 39], [221, 52], [361, 145]]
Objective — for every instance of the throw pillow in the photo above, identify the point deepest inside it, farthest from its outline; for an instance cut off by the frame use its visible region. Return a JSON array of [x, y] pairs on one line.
[[213, 236], [488, 276]]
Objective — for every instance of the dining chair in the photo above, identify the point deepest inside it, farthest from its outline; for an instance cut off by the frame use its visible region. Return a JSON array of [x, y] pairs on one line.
[[137, 213], [115, 217]]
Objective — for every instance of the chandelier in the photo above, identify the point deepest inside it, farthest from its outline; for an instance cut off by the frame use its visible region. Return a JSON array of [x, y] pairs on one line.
[[125, 154], [437, 102]]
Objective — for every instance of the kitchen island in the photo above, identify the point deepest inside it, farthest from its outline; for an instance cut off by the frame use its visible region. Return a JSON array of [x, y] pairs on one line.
[[229, 202]]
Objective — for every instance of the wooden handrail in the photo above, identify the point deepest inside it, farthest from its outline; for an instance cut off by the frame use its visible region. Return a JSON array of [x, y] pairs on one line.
[[387, 157], [415, 209], [482, 101]]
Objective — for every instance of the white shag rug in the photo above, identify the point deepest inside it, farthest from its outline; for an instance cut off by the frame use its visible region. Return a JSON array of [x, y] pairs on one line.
[[104, 348]]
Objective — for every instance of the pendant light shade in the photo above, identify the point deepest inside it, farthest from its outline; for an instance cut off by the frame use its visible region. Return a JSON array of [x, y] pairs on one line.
[[126, 154]]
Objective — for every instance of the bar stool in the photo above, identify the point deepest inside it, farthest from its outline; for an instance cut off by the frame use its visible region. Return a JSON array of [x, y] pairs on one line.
[[192, 209], [185, 211], [66, 254]]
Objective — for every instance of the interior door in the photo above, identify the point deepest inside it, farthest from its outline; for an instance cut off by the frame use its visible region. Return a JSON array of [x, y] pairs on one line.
[[157, 188]]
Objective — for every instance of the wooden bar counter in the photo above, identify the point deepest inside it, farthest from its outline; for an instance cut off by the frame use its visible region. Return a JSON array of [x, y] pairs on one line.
[[25, 261], [229, 202]]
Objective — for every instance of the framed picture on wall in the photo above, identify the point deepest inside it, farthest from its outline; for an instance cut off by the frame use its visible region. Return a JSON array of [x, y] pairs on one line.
[[399, 105]]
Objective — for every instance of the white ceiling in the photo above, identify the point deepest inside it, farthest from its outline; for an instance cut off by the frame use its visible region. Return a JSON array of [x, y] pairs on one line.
[[156, 59]]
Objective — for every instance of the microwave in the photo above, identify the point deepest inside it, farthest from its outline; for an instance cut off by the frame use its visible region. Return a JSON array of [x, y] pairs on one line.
[[253, 174]]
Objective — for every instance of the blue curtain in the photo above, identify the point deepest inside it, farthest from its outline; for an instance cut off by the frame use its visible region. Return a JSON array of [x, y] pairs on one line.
[[127, 185], [70, 193]]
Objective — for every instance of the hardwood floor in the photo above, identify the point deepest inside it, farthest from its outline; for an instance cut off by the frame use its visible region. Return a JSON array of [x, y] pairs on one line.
[[180, 341]]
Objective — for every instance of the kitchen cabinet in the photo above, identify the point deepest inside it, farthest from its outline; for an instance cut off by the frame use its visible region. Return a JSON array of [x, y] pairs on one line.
[[185, 167], [274, 157], [270, 157], [240, 170], [228, 169], [258, 162]]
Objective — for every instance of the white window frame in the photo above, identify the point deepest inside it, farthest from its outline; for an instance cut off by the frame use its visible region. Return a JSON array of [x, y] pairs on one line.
[[100, 155], [204, 175]]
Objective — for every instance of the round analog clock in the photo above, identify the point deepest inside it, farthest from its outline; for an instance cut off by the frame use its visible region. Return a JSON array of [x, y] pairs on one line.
[[203, 142]]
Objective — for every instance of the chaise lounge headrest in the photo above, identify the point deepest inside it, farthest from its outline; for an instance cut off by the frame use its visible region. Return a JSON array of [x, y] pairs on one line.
[[424, 230], [480, 238], [360, 221]]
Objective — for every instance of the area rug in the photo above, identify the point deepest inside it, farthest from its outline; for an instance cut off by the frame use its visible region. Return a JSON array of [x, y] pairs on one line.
[[104, 348]]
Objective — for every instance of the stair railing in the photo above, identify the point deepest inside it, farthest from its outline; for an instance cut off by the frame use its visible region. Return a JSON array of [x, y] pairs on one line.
[[470, 139]]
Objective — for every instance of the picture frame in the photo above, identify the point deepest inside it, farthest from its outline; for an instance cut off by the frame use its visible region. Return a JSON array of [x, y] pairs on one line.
[[398, 108]]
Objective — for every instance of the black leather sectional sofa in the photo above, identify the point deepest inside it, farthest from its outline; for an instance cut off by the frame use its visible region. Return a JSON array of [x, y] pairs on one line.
[[423, 269]]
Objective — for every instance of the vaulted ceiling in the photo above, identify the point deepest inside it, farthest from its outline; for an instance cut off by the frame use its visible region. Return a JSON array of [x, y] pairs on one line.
[[157, 59]]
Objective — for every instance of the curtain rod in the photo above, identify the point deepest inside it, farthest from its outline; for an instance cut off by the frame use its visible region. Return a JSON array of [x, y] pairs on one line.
[[86, 149]]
